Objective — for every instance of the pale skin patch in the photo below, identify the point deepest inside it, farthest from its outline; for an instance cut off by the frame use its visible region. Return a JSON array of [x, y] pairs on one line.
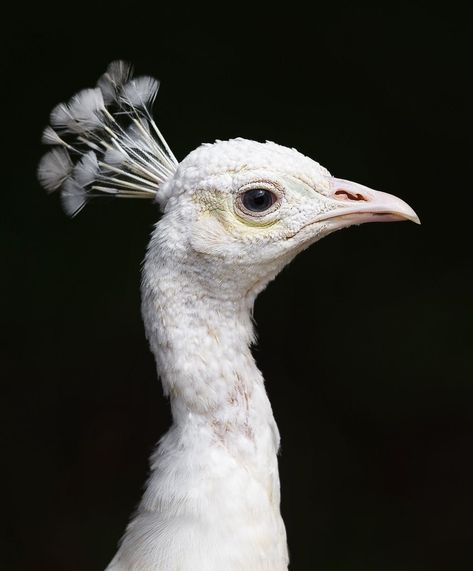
[[221, 205], [297, 190], [223, 226]]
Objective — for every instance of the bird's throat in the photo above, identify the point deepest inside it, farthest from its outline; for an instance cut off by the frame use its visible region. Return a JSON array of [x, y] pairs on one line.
[[201, 342], [214, 476]]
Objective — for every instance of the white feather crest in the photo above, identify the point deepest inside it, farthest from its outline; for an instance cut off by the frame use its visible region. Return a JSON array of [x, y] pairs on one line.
[[109, 133]]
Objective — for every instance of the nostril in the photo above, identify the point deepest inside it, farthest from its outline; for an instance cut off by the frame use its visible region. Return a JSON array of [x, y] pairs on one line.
[[345, 195]]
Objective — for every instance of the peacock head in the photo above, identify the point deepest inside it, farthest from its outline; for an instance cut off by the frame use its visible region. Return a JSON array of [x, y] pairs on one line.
[[235, 212], [244, 209]]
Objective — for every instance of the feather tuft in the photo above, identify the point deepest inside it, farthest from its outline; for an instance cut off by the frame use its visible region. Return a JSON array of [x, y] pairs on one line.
[[50, 137], [115, 157], [86, 170], [54, 168], [83, 112], [77, 187], [111, 82], [73, 197], [106, 142], [140, 92]]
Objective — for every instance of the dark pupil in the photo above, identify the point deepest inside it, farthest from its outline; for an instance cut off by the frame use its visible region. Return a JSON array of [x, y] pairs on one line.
[[257, 199]]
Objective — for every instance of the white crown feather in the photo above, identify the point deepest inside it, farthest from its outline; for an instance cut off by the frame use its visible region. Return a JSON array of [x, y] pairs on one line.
[[106, 142]]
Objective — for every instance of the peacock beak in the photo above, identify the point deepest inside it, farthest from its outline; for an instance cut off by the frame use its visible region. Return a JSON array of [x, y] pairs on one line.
[[359, 204]]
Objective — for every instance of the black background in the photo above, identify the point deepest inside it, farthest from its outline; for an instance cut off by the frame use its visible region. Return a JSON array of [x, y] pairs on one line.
[[365, 340]]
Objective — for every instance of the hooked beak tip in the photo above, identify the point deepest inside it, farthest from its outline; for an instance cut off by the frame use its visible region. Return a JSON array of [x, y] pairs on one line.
[[407, 214]]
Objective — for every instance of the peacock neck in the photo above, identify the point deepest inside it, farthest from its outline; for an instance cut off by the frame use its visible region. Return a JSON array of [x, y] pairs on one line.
[[212, 498], [201, 341]]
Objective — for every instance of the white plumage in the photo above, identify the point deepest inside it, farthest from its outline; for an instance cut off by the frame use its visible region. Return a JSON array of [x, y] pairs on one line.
[[82, 113], [235, 213], [109, 133], [54, 169]]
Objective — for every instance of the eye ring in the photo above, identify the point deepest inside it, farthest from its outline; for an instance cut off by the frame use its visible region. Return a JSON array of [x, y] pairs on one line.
[[258, 199]]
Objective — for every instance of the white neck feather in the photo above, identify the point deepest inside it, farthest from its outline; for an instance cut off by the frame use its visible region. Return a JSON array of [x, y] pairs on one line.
[[212, 499]]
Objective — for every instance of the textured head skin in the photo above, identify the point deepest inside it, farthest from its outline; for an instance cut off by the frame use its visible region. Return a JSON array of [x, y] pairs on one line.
[[238, 250]]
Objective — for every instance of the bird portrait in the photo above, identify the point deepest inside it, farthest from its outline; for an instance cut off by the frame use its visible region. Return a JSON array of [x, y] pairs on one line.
[[228, 218]]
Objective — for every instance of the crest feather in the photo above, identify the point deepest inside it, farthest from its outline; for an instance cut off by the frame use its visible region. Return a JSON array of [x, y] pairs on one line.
[[105, 142], [54, 168]]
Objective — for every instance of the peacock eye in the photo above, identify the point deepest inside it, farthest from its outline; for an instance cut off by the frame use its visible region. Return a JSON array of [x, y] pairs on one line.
[[258, 199]]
